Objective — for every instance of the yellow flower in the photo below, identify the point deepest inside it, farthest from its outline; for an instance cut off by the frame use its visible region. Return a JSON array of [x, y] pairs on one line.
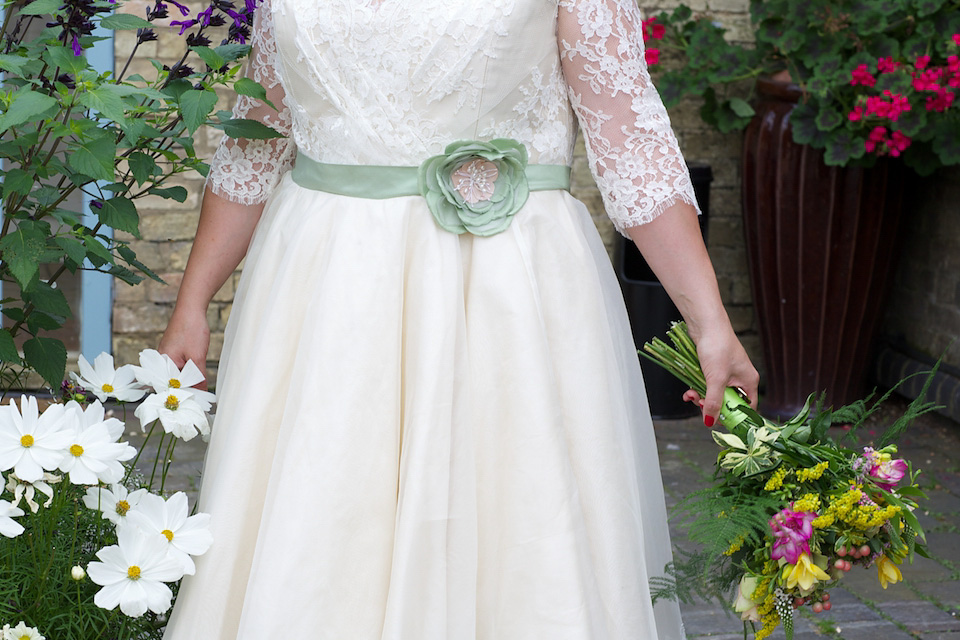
[[888, 572], [804, 573]]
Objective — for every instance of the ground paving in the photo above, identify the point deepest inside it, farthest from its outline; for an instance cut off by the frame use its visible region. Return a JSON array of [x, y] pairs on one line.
[[925, 606]]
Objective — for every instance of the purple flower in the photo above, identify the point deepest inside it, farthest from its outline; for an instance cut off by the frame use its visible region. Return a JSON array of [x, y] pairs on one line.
[[183, 10], [792, 531], [204, 16], [77, 49], [183, 24]]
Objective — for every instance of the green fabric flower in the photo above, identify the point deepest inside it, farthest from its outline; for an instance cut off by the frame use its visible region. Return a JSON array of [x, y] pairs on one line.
[[476, 186]]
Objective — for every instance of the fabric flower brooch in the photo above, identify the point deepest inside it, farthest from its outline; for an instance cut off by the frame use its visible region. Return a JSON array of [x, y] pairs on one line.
[[476, 187]]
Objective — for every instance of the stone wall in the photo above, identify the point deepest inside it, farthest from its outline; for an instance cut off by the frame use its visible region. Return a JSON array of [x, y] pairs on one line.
[[924, 307]]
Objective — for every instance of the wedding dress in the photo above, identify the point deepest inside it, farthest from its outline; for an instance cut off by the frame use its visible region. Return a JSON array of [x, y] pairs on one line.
[[425, 435]]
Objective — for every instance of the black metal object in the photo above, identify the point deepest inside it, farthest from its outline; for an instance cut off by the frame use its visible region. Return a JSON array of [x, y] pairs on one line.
[[651, 311]]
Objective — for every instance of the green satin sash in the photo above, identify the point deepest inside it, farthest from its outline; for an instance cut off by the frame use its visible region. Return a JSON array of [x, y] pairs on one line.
[[382, 182]]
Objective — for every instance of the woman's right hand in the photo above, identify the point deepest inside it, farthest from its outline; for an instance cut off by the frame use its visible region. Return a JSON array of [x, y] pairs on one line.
[[187, 337]]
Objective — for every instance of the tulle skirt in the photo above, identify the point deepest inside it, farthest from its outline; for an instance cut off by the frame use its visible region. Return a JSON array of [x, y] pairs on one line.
[[428, 436]]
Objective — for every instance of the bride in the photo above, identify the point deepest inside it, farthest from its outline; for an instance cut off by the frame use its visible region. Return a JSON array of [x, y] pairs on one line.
[[432, 423]]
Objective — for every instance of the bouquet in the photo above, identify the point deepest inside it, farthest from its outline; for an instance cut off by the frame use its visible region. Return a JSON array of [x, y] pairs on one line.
[[82, 533], [791, 510]]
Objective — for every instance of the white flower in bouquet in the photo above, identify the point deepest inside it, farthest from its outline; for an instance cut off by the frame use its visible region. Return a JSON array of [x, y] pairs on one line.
[[115, 502], [27, 490], [133, 572], [31, 443], [94, 455], [178, 412], [21, 632], [104, 382], [8, 526], [185, 536], [159, 371]]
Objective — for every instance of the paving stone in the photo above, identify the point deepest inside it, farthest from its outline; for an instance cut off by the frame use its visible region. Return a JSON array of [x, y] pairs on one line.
[[921, 616], [946, 594]]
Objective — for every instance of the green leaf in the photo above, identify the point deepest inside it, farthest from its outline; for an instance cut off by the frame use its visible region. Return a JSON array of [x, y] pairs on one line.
[[742, 108], [248, 87], [196, 105], [121, 214], [21, 249], [17, 181], [946, 142], [170, 193], [12, 63], [213, 59], [8, 350], [250, 129], [49, 300], [829, 119], [48, 357], [843, 148], [233, 51], [94, 157], [98, 254], [927, 7], [72, 247], [804, 126], [124, 21], [142, 166], [131, 258], [104, 101], [27, 106], [41, 7], [60, 56]]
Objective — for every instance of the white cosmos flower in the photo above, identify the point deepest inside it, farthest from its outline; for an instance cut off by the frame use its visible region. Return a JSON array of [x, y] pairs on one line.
[[21, 632], [31, 443], [133, 572], [94, 455], [160, 372], [102, 381], [27, 490], [115, 502], [178, 412], [8, 527], [185, 536]]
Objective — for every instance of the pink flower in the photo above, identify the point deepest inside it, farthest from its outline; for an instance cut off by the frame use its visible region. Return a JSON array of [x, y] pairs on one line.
[[856, 114], [861, 75], [652, 30], [898, 103], [922, 62], [885, 471], [792, 531], [897, 145], [956, 39], [652, 56], [953, 64], [877, 136], [941, 101], [886, 65], [928, 80]]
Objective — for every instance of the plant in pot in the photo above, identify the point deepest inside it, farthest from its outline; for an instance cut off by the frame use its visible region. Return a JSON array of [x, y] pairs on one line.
[[842, 103]]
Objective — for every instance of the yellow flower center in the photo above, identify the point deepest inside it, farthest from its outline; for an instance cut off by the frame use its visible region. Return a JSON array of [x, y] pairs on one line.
[[169, 534], [24, 637], [108, 388], [133, 572], [173, 383], [122, 507], [76, 450], [26, 441], [172, 403]]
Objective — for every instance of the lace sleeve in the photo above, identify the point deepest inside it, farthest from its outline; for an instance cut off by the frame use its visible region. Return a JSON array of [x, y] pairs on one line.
[[246, 171], [633, 152]]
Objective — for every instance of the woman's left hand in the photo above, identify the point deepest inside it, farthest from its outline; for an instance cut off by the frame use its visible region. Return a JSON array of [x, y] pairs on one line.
[[725, 364]]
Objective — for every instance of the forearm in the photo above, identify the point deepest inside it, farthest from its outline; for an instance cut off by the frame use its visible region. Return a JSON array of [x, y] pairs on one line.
[[672, 245], [223, 235]]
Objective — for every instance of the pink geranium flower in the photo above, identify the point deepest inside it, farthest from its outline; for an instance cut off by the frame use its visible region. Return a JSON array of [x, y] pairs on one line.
[[652, 56], [886, 65], [941, 101], [922, 62], [792, 531], [861, 75]]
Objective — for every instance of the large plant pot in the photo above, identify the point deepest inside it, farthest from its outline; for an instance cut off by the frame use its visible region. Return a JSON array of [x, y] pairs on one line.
[[820, 243]]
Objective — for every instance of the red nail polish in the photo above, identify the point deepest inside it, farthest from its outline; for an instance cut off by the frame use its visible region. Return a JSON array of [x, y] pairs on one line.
[[708, 420]]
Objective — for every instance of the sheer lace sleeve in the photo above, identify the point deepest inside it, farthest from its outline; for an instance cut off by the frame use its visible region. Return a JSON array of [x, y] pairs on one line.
[[632, 150], [246, 171]]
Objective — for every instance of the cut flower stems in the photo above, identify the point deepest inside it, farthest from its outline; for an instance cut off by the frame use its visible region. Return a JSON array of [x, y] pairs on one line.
[[791, 510]]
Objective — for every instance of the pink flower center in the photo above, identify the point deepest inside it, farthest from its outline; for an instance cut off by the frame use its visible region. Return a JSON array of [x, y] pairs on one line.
[[475, 180]]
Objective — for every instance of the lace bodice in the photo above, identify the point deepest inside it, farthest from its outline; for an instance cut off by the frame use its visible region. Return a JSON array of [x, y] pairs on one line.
[[392, 82]]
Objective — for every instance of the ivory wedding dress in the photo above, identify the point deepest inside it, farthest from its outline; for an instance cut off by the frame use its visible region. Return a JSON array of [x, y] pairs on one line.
[[423, 435]]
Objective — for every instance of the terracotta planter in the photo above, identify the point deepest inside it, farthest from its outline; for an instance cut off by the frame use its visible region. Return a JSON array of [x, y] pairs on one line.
[[821, 242]]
